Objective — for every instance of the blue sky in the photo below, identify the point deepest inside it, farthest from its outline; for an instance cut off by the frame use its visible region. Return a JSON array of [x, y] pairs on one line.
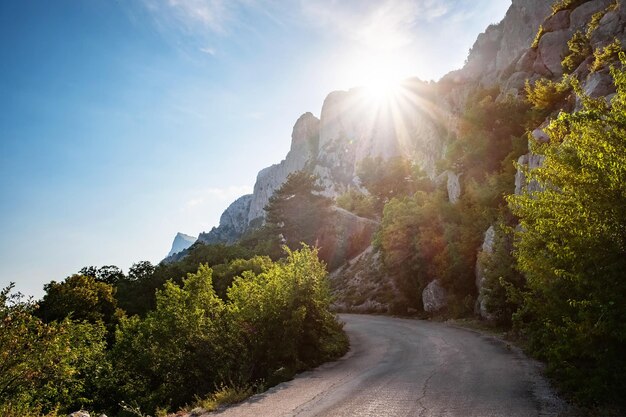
[[123, 122]]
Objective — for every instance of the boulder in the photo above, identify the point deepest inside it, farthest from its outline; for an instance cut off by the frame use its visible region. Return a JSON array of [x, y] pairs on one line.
[[553, 48], [531, 161], [581, 16], [540, 136], [609, 26], [434, 297], [480, 307], [540, 68], [454, 187], [516, 83], [599, 84], [81, 413], [558, 21]]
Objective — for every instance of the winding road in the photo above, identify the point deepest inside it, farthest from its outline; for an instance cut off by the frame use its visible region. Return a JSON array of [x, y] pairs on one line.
[[403, 367]]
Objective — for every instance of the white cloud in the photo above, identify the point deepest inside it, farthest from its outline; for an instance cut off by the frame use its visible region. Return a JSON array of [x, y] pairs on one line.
[[208, 51], [387, 24]]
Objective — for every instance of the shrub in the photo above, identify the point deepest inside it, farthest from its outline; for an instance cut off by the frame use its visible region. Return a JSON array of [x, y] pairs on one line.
[[538, 36], [546, 95], [566, 5], [579, 50], [607, 55], [46, 367], [358, 203], [570, 246]]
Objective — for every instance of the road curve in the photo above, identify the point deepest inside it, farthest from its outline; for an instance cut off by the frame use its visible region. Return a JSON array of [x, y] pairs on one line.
[[403, 367]]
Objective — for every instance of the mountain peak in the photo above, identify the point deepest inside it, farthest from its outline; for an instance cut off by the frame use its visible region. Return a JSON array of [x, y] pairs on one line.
[[181, 242]]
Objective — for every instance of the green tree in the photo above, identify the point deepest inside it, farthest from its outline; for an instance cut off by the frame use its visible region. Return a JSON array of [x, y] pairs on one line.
[[284, 317], [385, 179], [297, 211], [504, 284], [224, 274], [45, 366], [109, 274], [80, 298], [572, 248], [178, 350]]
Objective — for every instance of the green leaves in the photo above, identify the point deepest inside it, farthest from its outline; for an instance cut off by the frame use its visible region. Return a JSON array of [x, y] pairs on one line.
[[572, 248], [276, 316], [44, 366]]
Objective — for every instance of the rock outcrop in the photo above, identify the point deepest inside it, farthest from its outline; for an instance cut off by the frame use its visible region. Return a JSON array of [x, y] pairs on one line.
[[349, 130], [434, 297], [363, 286], [181, 242], [233, 223], [487, 248], [304, 148]]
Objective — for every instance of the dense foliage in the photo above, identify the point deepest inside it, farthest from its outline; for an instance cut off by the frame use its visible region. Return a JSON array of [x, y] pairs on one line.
[[423, 236], [297, 212], [191, 344], [572, 249], [45, 366]]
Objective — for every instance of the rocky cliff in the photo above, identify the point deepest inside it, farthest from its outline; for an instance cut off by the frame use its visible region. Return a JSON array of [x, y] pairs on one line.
[[531, 42], [349, 129]]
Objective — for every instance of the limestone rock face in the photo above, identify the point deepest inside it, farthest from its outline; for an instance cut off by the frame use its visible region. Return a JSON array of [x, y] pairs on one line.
[[354, 127], [487, 247], [553, 48], [501, 45], [454, 187], [434, 297], [531, 161], [583, 13], [233, 223], [304, 142], [558, 21], [181, 242]]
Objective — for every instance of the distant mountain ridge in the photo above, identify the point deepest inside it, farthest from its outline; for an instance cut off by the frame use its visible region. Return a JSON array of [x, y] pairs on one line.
[[181, 242]]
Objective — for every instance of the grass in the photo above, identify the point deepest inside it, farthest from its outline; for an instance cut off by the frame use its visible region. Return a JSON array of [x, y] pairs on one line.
[[224, 396]]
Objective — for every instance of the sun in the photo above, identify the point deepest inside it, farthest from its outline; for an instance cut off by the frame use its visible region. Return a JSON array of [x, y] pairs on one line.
[[382, 90], [382, 83]]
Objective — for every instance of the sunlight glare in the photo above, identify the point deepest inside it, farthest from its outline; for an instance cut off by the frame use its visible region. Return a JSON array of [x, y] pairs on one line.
[[382, 86]]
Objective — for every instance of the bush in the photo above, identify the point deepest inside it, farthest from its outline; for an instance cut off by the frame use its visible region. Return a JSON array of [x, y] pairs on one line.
[[179, 350], [358, 203], [283, 316], [272, 324], [566, 5], [546, 95], [579, 49], [607, 55], [46, 367], [570, 246], [504, 284], [538, 37]]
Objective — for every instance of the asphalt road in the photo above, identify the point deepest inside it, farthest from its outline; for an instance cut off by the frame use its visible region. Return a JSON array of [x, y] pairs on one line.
[[402, 367]]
